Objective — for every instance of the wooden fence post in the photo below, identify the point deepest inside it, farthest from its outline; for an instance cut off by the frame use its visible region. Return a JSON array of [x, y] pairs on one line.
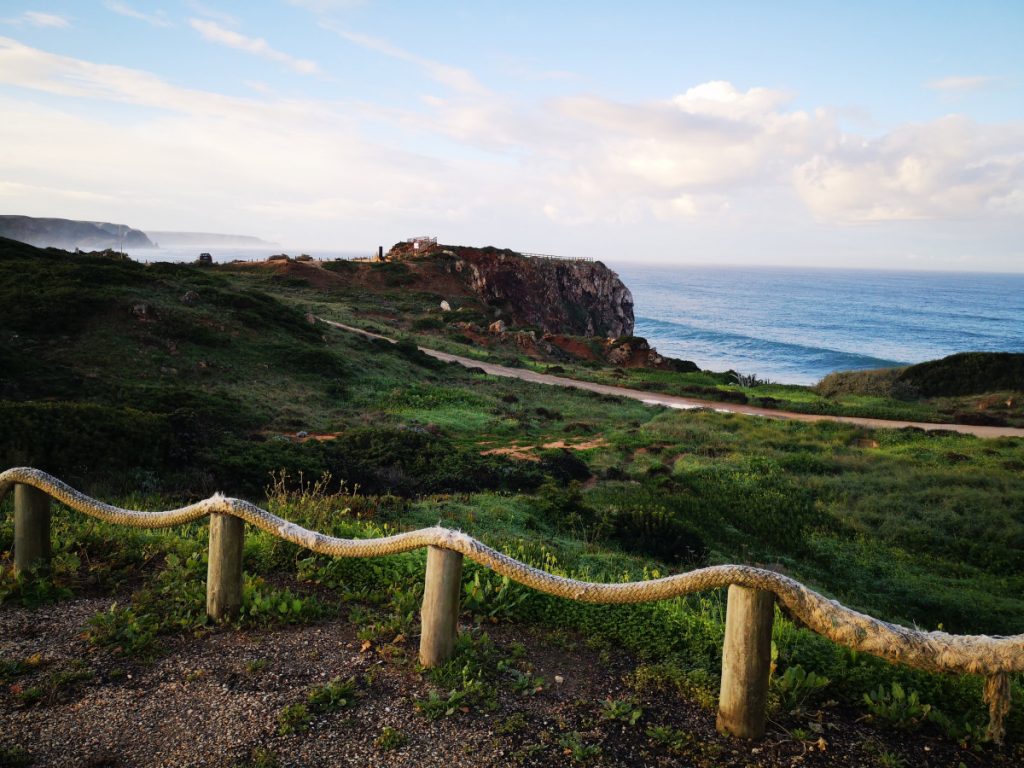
[[440, 615], [224, 570], [746, 662], [31, 528]]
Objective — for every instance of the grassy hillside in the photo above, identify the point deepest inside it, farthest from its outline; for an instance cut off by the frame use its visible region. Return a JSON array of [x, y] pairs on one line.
[[162, 382], [403, 298]]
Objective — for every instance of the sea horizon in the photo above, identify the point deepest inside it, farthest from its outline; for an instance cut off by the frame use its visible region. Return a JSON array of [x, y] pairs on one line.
[[795, 325]]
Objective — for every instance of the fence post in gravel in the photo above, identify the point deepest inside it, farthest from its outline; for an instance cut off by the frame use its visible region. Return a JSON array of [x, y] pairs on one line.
[[31, 528], [224, 571], [440, 614], [746, 662]]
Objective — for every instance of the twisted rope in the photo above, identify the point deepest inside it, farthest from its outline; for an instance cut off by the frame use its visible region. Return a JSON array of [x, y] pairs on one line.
[[991, 656]]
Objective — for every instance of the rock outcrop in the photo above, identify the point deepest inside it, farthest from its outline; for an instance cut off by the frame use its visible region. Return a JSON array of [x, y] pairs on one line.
[[577, 297]]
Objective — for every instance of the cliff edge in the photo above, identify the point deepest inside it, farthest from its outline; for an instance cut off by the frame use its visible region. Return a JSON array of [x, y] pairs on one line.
[[577, 297]]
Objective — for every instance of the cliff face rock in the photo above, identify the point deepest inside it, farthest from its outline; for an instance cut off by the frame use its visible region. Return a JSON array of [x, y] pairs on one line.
[[582, 298], [575, 297], [69, 234]]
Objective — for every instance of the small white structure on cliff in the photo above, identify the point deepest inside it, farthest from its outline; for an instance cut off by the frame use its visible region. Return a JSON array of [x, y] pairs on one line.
[[421, 241]]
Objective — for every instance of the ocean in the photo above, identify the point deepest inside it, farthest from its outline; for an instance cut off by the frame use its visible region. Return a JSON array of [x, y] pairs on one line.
[[787, 324], [795, 325]]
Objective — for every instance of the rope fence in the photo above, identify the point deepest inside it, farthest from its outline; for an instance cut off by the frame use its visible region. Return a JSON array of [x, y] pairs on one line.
[[750, 613]]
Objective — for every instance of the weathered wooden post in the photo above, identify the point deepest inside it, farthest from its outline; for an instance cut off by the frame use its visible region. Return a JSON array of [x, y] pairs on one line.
[[440, 614], [746, 662], [31, 528], [224, 570]]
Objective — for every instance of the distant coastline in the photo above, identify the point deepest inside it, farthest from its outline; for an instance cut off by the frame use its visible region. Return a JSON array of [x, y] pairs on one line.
[[164, 239], [71, 234]]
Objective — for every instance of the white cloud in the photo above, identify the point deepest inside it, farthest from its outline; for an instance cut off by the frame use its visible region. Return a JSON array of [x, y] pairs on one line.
[[158, 19], [951, 168], [722, 99], [961, 83], [326, 6], [38, 19], [213, 32], [700, 160], [27, 67], [456, 78], [213, 13], [195, 159], [678, 159]]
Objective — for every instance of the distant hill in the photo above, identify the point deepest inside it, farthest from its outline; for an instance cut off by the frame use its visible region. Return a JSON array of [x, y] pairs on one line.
[[171, 239], [70, 234]]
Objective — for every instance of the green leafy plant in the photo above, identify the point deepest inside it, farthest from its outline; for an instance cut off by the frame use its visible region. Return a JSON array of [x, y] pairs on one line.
[[623, 710], [491, 597], [332, 696], [124, 630], [795, 688], [390, 738], [891, 760], [675, 740], [294, 718], [514, 723], [323, 699], [262, 605], [15, 757], [466, 681], [260, 757], [470, 691], [525, 683], [43, 584], [577, 749], [897, 707]]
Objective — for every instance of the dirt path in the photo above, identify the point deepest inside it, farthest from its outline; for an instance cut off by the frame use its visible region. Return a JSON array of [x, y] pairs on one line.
[[689, 403], [217, 699]]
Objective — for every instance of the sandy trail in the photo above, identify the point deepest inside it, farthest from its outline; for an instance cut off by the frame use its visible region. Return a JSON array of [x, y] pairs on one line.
[[690, 403]]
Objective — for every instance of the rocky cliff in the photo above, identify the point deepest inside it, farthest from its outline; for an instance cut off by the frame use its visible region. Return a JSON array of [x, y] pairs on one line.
[[582, 298], [70, 234]]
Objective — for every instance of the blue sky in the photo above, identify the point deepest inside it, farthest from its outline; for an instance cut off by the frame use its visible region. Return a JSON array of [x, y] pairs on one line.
[[826, 134]]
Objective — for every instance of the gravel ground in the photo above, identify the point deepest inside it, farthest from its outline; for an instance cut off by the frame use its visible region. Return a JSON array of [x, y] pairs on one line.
[[214, 699]]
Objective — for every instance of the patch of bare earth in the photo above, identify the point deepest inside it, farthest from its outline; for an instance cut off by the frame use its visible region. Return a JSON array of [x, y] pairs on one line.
[[529, 452]]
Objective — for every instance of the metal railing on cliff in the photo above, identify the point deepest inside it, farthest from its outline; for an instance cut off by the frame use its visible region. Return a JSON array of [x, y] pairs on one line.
[[552, 257], [753, 593]]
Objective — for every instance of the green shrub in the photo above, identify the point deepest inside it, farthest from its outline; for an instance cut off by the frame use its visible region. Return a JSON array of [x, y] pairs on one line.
[[967, 373], [429, 323], [564, 465], [564, 508], [657, 532], [878, 382], [75, 440], [763, 507]]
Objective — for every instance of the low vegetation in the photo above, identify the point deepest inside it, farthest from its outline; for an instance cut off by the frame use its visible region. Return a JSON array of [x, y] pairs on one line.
[[360, 438]]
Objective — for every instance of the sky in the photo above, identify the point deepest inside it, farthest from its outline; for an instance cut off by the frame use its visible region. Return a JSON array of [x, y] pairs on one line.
[[827, 134]]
